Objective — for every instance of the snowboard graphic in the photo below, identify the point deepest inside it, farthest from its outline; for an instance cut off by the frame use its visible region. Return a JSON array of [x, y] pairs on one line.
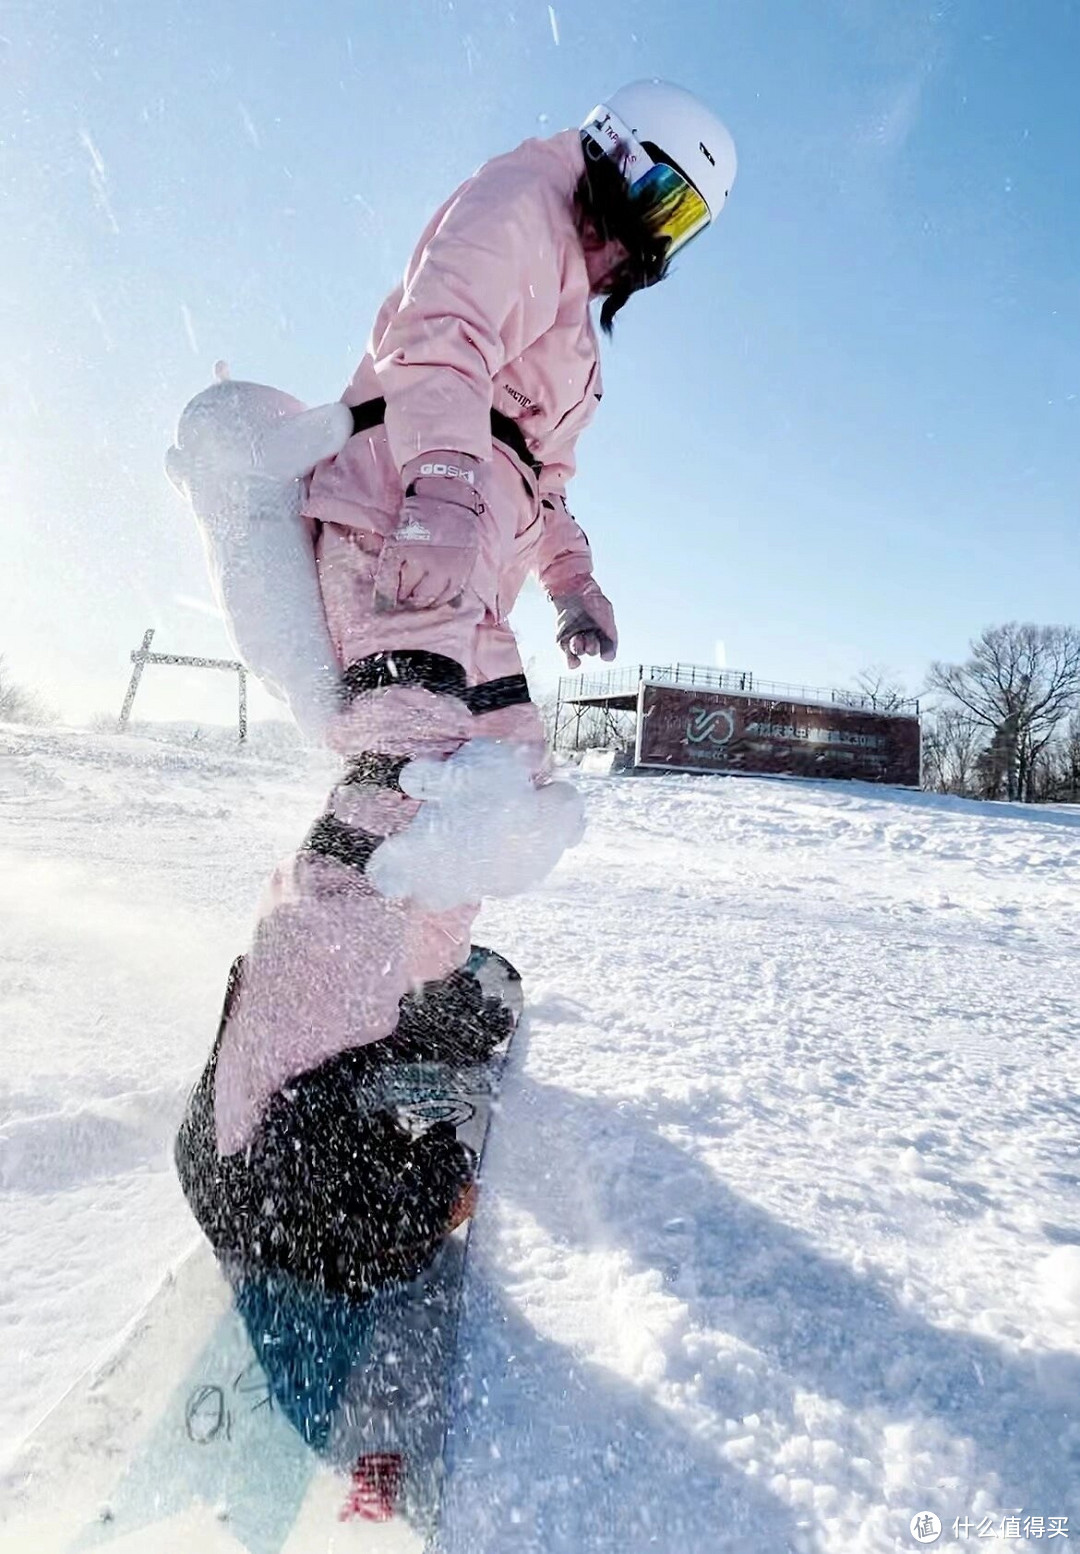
[[263, 1416]]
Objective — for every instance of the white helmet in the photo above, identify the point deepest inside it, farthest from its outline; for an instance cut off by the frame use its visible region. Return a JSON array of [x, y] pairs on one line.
[[653, 124]]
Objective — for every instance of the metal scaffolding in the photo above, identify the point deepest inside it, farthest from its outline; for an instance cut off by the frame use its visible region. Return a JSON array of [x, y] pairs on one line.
[[611, 698]]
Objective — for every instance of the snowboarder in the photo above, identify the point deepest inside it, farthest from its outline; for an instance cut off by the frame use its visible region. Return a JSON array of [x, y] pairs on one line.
[[438, 484]]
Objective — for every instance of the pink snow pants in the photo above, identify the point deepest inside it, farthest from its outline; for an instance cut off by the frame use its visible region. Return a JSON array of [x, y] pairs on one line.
[[331, 959]]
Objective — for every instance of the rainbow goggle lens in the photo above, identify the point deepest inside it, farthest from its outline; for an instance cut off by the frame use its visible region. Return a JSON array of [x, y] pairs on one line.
[[669, 206]]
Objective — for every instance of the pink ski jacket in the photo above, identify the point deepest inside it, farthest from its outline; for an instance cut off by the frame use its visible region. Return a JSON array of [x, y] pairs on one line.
[[493, 314]]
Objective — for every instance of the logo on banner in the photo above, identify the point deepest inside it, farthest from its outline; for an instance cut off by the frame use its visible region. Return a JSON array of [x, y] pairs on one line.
[[714, 727]]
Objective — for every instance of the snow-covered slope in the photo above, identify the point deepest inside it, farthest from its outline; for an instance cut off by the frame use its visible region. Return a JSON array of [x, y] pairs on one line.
[[780, 1237]]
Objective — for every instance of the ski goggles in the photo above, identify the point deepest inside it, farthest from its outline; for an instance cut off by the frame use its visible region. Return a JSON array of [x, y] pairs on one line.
[[664, 199]]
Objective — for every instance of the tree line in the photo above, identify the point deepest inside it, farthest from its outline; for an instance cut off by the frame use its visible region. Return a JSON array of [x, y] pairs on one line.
[[19, 705], [1007, 724]]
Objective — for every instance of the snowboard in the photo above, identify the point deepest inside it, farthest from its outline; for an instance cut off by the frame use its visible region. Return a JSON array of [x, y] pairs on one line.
[[256, 1415]]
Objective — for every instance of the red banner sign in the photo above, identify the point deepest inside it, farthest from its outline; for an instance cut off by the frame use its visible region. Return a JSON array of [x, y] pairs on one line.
[[687, 730]]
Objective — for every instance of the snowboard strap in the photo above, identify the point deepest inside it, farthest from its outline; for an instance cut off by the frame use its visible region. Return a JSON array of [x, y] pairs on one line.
[[332, 838], [375, 771], [350, 845]]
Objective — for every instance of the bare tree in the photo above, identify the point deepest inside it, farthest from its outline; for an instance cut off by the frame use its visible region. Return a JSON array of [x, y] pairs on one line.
[[883, 689], [952, 745], [876, 687], [1019, 684], [1056, 772], [18, 705], [1069, 766], [596, 728]]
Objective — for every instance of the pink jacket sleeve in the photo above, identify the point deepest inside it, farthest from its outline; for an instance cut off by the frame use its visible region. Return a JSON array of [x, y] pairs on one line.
[[563, 558], [482, 286]]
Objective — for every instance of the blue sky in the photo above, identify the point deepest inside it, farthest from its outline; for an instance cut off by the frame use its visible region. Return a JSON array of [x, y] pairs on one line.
[[844, 432]]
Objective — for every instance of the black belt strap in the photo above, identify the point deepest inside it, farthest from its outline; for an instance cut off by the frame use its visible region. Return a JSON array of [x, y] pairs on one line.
[[431, 672], [371, 413], [511, 691], [507, 431], [503, 428]]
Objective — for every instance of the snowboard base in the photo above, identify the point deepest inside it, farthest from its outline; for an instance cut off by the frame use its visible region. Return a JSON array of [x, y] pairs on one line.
[[243, 1457], [263, 1416]]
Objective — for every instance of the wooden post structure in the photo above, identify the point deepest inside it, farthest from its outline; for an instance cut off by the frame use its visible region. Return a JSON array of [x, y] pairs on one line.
[[143, 656], [140, 658]]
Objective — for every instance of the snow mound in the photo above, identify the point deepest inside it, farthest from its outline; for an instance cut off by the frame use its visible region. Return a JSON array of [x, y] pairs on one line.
[[777, 1243], [1059, 1280], [42, 1154]]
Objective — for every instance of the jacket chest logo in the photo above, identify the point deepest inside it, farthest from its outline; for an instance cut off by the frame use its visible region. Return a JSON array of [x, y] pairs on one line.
[[523, 399]]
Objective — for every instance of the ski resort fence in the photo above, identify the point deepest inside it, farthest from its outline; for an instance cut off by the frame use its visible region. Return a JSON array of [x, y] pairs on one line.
[[693, 718]]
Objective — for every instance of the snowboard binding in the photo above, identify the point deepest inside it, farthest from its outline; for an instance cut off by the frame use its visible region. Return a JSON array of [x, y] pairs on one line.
[[356, 1174], [463, 1018]]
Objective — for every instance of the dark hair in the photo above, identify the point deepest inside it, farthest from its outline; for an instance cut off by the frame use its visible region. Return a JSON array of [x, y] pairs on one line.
[[603, 210]]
